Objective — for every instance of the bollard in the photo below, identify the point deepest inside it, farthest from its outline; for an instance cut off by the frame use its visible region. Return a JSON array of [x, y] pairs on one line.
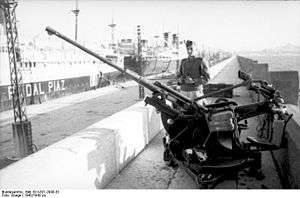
[[22, 137]]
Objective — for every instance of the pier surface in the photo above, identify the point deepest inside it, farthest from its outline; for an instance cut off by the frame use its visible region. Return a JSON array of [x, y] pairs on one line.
[[148, 170]]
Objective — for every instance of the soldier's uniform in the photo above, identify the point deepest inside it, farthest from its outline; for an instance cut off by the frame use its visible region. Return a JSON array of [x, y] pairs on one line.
[[193, 73]]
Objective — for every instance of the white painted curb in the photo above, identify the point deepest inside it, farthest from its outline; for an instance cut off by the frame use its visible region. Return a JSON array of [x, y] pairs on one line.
[[90, 158]]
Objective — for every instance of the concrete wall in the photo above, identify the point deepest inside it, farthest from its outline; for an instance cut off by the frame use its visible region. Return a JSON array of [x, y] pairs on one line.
[[288, 84], [257, 71], [245, 64], [286, 159], [261, 71], [90, 158]]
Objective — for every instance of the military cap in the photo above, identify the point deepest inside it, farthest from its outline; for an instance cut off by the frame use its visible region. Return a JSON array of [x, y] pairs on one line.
[[188, 43]]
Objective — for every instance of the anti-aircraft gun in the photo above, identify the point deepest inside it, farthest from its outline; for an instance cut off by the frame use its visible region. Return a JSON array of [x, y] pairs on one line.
[[205, 139]]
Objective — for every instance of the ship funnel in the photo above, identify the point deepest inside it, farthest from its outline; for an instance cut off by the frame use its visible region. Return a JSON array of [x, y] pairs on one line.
[[175, 41], [1, 17], [166, 41], [2, 27]]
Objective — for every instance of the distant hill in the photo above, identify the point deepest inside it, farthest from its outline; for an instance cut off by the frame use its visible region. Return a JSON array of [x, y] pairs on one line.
[[285, 49], [289, 48]]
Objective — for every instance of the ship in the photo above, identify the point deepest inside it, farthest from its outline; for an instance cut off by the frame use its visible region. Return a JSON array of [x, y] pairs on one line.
[[161, 57], [51, 69], [164, 56]]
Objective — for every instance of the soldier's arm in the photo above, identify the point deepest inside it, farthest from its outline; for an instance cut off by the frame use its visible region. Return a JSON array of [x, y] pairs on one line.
[[180, 75], [179, 70], [205, 73]]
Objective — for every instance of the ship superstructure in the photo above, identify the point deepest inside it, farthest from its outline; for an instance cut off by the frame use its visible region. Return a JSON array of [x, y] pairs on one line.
[[163, 56]]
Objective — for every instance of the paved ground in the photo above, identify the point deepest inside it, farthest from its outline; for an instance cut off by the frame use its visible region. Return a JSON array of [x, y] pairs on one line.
[[6, 117], [148, 170]]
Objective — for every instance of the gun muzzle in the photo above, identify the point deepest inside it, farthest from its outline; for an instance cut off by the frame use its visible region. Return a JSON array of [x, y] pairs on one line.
[[50, 30]]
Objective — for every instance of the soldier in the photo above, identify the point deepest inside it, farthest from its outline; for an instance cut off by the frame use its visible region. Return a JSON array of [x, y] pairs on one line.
[[192, 73]]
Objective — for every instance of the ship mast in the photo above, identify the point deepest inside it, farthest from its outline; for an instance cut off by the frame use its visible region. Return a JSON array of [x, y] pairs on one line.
[[139, 56], [112, 45], [76, 12]]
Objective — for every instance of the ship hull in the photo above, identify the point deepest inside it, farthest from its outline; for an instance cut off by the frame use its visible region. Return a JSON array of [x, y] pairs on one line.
[[38, 92], [151, 66]]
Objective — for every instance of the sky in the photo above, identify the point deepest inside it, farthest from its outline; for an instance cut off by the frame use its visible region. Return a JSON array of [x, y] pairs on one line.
[[228, 25]]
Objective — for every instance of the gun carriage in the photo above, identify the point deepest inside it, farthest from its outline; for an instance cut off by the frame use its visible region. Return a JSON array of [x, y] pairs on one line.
[[206, 139]]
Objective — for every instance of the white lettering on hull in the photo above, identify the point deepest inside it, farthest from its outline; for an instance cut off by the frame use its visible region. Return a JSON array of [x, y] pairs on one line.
[[63, 85], [35, 90], [39, 88], [50, 86], [28, 90]]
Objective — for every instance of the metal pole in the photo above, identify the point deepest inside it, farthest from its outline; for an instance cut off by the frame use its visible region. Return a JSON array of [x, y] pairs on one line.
[[76, 12], [139, 55], [21, 127]]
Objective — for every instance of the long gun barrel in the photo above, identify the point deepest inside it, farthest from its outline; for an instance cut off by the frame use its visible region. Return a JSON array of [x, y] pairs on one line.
[[139, 79]]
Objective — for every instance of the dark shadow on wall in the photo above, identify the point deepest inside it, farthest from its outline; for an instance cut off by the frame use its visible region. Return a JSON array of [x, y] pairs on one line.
[[103, 159], [96, 159]]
